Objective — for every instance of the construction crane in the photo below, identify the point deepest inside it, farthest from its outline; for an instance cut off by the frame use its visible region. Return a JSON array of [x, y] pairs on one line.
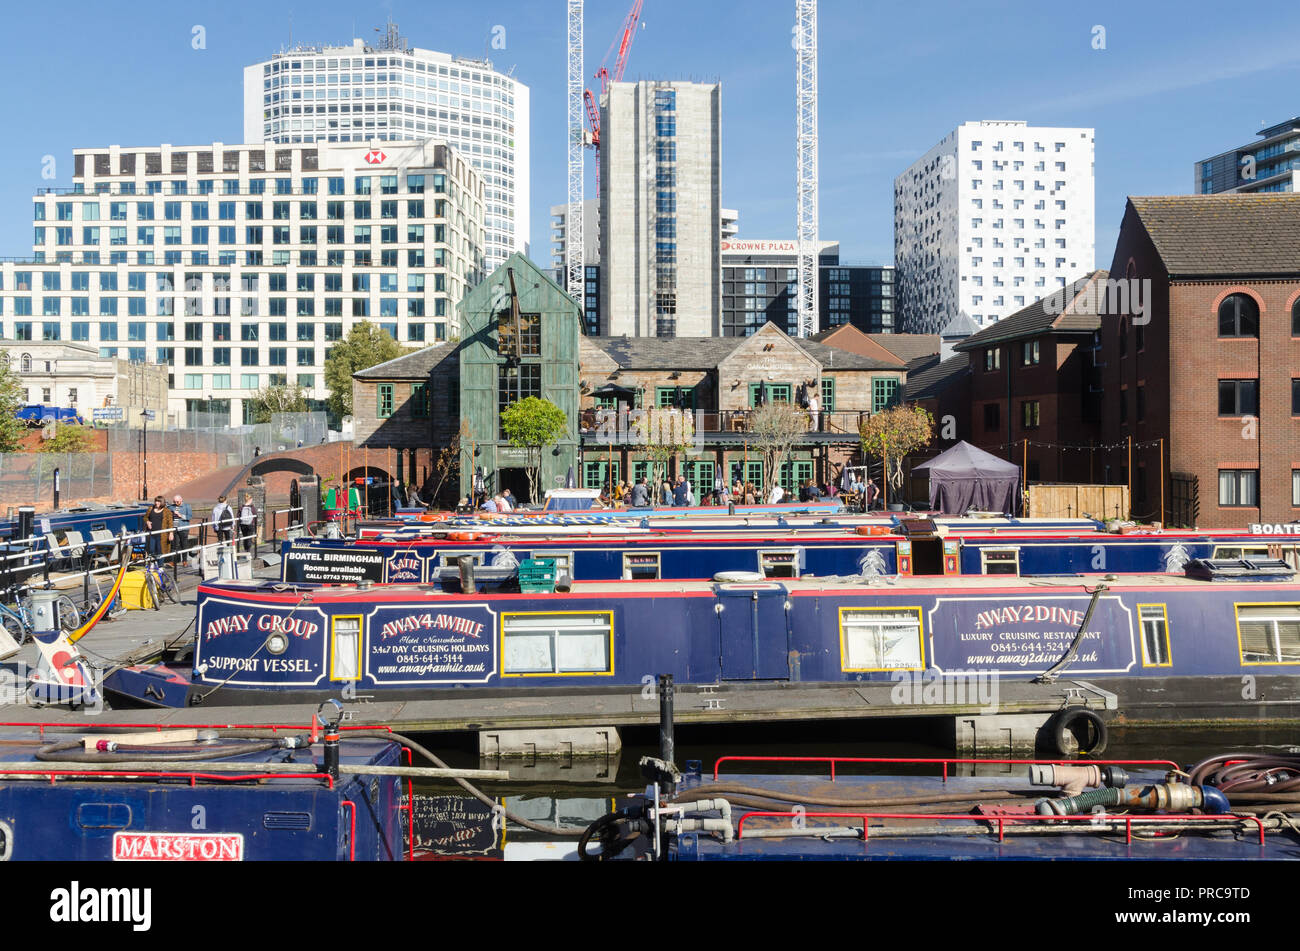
[[574, 237], [806, 201], [624, 44]]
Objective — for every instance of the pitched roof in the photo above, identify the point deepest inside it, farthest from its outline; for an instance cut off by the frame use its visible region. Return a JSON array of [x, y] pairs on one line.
[[907, 347], [850, 338], [929, 380], [705, 353], [1223, 234], [410, 366], [960, 326], [1073, 309]]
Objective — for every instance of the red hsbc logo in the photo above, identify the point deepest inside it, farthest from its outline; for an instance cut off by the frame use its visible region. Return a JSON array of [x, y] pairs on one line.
[[375, 157], [177, 847]]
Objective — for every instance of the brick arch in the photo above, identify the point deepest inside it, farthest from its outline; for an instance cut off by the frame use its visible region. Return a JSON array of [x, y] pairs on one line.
[[1239, 289], [1292, 302]]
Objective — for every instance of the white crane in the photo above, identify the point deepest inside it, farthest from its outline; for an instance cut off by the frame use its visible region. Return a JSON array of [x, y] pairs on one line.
[[574, 238], [805, 41]]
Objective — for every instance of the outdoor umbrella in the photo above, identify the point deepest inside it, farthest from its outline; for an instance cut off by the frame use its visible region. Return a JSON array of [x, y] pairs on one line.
[[569, 481]]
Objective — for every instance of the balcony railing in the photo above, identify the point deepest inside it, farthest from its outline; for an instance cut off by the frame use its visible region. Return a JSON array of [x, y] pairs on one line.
[[619, 423]]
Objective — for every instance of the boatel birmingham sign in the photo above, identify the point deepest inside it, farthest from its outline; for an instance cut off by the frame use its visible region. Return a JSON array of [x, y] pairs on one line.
[[1291, 529]]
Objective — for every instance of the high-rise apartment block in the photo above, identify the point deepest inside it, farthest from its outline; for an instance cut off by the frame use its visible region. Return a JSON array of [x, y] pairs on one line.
[[660, 205], [1271, 164], [390, 92], [994, 217]]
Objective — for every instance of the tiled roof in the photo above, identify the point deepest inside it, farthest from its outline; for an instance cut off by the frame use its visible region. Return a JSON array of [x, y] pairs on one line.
[[1223, 234], [907, 347], [410, 366], [1072, 309], [705, 353], [929, 380]]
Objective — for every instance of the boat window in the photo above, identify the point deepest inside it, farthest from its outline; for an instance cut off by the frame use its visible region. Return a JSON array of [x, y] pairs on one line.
[[1269, 633], [874, 639], [563, 561], [641, 566], [451, 559], [540, 644], [779, 563], [1155, 635], [345, 650], [1234, 552], [1000, 561]]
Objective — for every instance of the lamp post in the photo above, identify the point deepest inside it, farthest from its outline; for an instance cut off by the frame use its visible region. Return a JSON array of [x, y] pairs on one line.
[[144, 452]]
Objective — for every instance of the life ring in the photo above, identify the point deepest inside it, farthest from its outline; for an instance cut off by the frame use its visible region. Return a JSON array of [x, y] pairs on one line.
[[738, 577], [1087, 728], [463, 536]]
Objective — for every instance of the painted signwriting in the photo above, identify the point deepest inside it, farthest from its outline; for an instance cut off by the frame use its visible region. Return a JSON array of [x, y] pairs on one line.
[[412, 645], [404, 567], [457, 826], [333, 565], [1029, 635], [234, 641]]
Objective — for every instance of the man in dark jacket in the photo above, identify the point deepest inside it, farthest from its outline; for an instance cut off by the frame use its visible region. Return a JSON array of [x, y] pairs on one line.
[[680, 493]]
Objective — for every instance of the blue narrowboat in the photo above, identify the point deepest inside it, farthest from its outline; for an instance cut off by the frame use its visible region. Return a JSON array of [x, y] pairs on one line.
[[1164, 644]]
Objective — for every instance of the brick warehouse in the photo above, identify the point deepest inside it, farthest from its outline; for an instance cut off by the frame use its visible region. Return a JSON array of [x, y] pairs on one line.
[[1215, 373]]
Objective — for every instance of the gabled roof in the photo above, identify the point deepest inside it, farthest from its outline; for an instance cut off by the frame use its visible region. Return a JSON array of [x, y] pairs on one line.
[[706, 353], [1210, 235], [1073, 309], [960, 326], [850, 338], [410, 366], [907, 347], [930, 380]]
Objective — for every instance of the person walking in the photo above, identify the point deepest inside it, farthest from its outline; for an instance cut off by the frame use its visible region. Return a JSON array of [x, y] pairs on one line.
[[223, 520], [182, 515], [248, 525], [158, 524]]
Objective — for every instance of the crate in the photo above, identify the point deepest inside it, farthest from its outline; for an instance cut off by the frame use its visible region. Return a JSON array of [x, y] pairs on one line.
[[537, 576]]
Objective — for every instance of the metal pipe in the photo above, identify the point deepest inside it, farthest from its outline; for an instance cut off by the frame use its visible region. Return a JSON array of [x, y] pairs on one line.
[[666, 740]]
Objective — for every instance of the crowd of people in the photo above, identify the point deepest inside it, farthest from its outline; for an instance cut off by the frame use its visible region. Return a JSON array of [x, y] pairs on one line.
[[679, 493]]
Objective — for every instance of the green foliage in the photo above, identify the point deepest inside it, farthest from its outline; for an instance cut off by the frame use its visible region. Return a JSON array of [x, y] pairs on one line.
[[893, 435], [533, 424], [665, 433], [365, 346], [68, 437], [11, 401], [278, 399]]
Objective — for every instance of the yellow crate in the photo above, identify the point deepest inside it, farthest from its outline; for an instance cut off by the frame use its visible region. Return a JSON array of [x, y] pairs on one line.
[[134, 592]]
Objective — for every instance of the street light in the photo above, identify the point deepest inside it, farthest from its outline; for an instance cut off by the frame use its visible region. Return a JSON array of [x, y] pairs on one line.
[[144, 452]]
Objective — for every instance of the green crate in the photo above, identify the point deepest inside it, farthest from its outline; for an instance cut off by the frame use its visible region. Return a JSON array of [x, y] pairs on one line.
[[537, 576]]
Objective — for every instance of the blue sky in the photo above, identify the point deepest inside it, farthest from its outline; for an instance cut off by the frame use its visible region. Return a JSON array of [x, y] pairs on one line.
[[1174, 84]]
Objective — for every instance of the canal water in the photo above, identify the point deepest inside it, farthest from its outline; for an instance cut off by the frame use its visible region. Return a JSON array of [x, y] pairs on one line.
[[574, 792]]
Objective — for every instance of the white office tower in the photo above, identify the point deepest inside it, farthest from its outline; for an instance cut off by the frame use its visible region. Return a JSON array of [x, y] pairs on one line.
[[388, 91], [994, 217], [661, 209]]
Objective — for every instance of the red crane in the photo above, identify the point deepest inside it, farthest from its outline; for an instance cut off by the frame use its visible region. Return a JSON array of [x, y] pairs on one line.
[[620, 64]]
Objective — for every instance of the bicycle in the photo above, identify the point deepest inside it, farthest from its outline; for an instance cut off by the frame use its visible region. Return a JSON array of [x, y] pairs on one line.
[[18, 619], [95, 597], [158, 583]]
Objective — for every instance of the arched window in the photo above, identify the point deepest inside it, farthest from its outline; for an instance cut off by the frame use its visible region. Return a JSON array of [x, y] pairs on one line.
[[4, 359], [26, 363], [1239, 316], [1295, 318]]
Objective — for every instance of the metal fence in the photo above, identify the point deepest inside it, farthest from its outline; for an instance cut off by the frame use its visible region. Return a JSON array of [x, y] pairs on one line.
[[212, 433], [27, 478]]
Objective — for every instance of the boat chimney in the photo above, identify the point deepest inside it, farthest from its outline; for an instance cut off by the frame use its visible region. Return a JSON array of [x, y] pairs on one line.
[[666, 742], [467, 584]]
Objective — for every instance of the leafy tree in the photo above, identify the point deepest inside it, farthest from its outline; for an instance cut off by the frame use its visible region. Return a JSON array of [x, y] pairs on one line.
[[11, 401], [277, 398], [665, 433], [365, 346], [893, 435], [68, 437], [533, 424], [773, 429]]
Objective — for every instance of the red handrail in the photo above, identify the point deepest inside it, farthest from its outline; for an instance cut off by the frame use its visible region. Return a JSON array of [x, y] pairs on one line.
[[922, 761], [352, 836], [1000, 820], [410, 808], [161, 727]]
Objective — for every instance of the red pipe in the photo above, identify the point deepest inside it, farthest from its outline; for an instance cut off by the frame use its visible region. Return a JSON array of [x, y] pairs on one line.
[[352, 836]]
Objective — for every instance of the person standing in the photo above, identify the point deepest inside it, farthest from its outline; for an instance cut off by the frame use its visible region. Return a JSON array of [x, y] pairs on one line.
[[777, 495], [158, 524], [248, 524], [666, 493], [223, 520], [871, 493], [680, 493], [815, 412], [182, 515], [507, 502]]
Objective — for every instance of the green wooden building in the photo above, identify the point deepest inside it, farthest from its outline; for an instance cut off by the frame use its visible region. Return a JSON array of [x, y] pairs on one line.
[[508, 353]]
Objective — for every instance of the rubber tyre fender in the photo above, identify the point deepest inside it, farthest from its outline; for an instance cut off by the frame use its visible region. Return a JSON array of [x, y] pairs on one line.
[[1084, 725]]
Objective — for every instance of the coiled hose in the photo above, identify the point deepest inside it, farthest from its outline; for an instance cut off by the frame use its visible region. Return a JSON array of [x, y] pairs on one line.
[[1257, 783]]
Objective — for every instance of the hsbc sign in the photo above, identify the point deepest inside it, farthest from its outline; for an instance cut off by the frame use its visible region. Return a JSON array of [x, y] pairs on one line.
[[375, 157]]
